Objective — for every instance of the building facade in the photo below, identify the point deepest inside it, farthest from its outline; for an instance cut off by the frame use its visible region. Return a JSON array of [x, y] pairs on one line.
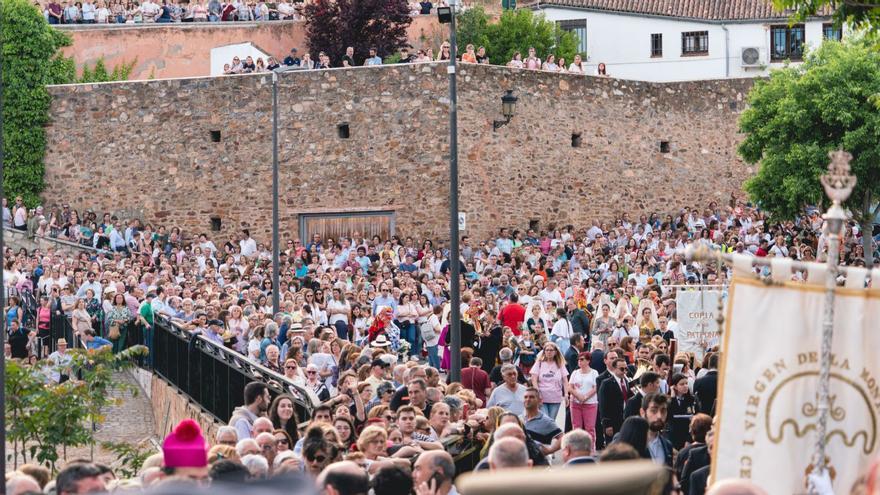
[[685, 40]]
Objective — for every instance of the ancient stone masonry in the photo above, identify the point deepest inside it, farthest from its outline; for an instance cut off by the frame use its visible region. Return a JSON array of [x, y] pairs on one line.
[[641, 147]]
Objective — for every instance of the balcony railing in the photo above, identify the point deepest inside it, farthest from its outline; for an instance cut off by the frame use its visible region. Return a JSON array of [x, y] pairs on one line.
[[214, 376]]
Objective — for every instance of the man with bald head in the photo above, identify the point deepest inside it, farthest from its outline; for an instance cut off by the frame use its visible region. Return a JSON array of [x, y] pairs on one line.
[[19, 484], [508, 453], [343, 478], [434, 472]]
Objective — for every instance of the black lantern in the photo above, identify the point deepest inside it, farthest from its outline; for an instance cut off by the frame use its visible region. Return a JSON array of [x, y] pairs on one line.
[[444, 15], [508, 109]]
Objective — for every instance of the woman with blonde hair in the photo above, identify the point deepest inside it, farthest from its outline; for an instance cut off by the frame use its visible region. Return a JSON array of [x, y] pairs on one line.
[[82, 321], [577, 66], [373, 443], [550, 377]]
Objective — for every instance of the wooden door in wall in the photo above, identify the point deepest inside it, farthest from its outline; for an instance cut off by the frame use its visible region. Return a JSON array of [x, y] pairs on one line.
[[336, 225]]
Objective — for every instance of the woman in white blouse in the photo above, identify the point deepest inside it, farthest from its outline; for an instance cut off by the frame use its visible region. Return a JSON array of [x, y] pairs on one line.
[[577, 67]]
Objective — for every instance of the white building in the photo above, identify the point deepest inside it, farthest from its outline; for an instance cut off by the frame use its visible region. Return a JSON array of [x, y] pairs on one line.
[[680, 40]]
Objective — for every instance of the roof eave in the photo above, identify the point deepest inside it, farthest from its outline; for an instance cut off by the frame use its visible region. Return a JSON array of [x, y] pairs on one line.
[[550, 3]]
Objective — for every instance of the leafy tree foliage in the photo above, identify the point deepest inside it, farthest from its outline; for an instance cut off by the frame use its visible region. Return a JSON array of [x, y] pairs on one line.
[[515, 31], [333, 25], [856, 13], [31, 61], [99, 72], [800, 114], [43, 419]]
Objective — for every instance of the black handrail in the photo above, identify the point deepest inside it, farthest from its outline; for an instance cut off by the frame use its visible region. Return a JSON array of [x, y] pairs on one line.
[[212, 375]]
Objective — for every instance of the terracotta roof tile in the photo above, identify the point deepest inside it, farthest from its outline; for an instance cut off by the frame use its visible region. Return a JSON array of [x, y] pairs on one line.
[[713, 10]]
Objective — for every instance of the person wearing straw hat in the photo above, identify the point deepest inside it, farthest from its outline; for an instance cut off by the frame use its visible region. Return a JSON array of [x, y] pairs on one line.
[[60, 361]]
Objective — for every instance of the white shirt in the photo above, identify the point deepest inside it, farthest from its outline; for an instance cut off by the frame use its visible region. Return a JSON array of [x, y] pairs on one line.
[[583, 383], [338, 311], [562, 328], [248, 247]]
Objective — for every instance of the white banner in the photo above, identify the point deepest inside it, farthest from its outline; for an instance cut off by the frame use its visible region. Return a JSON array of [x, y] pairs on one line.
[[769, 385], [697, 312]]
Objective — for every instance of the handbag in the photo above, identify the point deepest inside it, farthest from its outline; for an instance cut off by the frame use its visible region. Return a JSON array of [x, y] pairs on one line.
[[113, 333], [427, 331]]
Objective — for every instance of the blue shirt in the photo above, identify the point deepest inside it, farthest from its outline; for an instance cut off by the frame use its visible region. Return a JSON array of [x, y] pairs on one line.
[[373, 61], [98, 342], [385, 301], [504, 245]]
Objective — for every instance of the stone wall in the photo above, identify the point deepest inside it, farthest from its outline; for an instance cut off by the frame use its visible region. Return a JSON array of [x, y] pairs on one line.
[[148, 145], [184, 50], [170, 407]]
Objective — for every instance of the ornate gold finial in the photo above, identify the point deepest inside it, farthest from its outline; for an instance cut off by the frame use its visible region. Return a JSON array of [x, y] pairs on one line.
[[838, 182]]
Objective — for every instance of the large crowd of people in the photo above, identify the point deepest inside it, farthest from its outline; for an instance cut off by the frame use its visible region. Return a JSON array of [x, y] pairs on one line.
[[59, 12], [568, 342]]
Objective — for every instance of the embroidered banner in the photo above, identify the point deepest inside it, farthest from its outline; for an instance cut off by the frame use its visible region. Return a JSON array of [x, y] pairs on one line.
[[697, 312], [769, 385]]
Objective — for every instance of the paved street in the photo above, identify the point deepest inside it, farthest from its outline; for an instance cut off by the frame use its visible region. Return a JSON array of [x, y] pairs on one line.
[[131, 421]]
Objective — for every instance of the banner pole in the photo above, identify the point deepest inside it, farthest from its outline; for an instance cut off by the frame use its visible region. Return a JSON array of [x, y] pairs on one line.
[[838, 184]]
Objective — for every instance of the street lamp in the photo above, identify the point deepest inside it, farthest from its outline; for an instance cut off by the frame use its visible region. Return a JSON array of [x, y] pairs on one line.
[[276, 287], [508, 110], [447, 15]]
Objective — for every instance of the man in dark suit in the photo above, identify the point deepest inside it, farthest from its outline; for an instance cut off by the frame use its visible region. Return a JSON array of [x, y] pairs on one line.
[[597, 360], [699, 427], [607, 359], [576, 346], [699, 480], [649, 383], [577, 448], [698, 459], [580, 322], [706, 388], [612, 396]]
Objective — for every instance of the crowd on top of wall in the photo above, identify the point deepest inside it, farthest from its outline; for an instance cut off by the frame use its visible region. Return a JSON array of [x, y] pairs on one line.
[[170, 11], [473, 55]]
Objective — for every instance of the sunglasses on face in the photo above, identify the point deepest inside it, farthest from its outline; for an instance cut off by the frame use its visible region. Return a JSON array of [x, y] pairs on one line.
[[319, 459], [282, 440]]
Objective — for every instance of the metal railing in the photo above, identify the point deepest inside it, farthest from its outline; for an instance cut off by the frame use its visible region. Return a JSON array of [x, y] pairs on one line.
[[214, 376]]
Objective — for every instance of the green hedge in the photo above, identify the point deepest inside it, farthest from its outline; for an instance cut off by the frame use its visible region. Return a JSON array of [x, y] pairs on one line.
[[31, 60]]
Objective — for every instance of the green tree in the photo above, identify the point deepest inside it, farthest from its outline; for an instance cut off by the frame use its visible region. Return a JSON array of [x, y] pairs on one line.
[[99, 73], [855, 13], [800, 114], [31, 61], [515, 31], [334, 25], [43, 419], [472, 26]]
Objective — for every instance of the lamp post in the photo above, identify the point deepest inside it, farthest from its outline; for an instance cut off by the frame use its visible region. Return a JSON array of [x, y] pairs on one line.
[[447, 14], [276, 287], [838, 184], [508, 110]]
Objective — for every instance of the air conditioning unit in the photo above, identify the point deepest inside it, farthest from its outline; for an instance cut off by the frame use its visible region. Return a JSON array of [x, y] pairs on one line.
[[751, 56]]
